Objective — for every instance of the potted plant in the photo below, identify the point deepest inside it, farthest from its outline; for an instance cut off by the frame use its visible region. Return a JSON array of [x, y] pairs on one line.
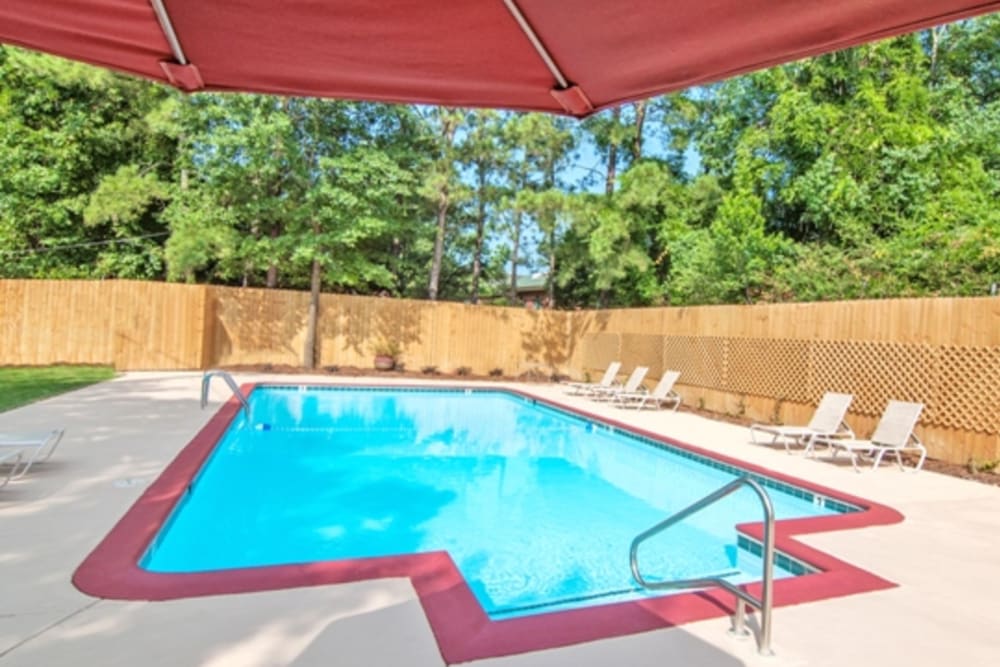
[[386, 352]]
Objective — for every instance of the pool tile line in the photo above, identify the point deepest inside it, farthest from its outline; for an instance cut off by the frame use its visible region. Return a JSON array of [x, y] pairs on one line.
[[461, 627]]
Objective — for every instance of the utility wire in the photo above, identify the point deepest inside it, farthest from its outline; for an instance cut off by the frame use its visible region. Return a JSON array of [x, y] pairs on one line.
[[88, 244]]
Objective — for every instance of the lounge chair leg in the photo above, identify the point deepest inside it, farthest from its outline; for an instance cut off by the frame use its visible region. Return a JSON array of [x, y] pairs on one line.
[[878, 458], [11, 459], [25, 465]]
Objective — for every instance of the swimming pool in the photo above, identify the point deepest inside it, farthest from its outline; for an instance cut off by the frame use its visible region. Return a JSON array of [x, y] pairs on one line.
[[536, 506], [512, 518]]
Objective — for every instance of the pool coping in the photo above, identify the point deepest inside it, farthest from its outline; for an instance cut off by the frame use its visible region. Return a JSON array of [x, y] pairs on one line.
[[461, 627]]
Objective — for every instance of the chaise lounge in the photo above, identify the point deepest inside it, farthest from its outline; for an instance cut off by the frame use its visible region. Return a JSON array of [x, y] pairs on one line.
[[37, 447], [662, 393], [631, 385], [827, 421], [607, 381], [894, 433]]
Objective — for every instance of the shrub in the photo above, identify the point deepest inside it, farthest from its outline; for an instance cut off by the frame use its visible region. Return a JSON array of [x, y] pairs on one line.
[[496, 372], [387, 348], [463, 370]]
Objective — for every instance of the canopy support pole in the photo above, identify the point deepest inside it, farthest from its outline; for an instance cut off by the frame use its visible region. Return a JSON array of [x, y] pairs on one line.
[[168, 31], [569, 95], [529, 32]]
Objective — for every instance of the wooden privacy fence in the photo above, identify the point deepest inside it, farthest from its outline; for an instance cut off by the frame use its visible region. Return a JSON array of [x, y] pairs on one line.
[[131, 325], [269, 326], [774, 362], [769, 362], [158, 326]]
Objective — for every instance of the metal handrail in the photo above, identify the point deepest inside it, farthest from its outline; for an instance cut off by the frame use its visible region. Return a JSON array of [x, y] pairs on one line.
[[742, 597], [206, 380]]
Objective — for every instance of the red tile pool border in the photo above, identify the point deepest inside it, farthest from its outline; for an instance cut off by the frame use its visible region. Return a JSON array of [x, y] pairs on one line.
[[463, 630]]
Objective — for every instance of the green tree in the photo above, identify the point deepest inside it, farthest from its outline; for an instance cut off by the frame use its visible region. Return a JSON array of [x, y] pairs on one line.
[[82, 172], [443, 187], [483, 152]]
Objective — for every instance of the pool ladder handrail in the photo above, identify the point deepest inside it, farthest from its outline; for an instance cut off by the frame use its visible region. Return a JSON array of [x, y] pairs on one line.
[[742, 597], [206, 380]]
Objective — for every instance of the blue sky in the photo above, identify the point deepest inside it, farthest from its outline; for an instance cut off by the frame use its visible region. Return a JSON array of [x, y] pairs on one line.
[[588, 171]]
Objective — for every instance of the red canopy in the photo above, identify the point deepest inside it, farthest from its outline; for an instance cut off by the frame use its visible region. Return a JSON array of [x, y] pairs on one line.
[[563, 56]]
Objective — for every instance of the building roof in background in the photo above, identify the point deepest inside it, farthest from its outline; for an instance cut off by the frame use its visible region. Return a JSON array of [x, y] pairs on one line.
[[532, 283]]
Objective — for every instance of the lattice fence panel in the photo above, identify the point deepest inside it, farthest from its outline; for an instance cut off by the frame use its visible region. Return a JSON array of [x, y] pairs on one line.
[[777, 368], [700, 359], [643, 350], [876, 372], [967, 395], [600, 349]]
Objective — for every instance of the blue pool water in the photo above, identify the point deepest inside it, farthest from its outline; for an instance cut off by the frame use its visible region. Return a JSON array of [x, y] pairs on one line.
[[537, 507]]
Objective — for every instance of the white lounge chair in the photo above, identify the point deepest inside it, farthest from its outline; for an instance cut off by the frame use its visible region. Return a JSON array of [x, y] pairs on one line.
[[662, 393], [37, 447], [827, 421], [631, 385], [10, 459], [606, 382], [894, 433]]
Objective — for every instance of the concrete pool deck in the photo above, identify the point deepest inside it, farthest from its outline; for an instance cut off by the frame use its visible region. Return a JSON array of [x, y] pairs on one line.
[[122, 433]]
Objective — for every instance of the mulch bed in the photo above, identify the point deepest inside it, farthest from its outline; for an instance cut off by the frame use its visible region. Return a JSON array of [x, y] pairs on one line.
[[535, 376], [963, 471]]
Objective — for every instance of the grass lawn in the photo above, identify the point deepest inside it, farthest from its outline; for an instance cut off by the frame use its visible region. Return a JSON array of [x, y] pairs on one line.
[[20, 385]]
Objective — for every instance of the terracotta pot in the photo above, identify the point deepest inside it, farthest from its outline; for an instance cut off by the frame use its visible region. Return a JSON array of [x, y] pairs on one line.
[[384, 362]]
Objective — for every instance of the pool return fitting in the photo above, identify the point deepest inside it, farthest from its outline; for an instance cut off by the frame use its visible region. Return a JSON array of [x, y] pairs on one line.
[[742, 597], [206, 380]]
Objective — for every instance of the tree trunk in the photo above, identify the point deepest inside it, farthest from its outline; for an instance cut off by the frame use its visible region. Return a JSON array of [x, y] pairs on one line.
[[442, 220], [513, 256], [640, 119], [449, 123], [397, 254], [609, 189], [477, 253], [272, 268], [550, 280], [310, 356], [609, 183], [935, 45], [189, 275]]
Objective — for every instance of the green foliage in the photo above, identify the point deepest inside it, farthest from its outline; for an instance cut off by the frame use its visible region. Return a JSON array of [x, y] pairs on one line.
[[73, 141], [871, 172], [279, 183], [734, 260]]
